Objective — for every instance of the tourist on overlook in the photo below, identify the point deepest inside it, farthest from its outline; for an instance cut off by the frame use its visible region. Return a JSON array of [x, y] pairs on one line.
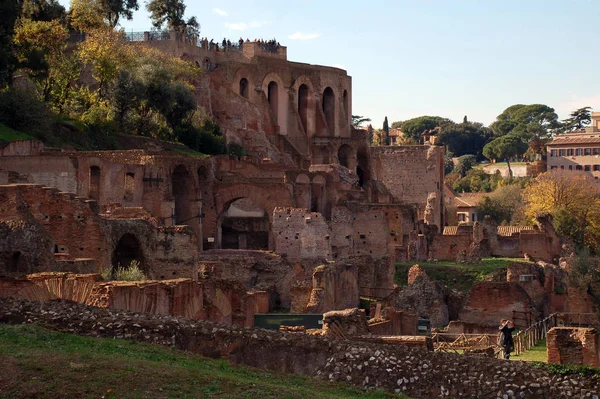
[[506, 339]]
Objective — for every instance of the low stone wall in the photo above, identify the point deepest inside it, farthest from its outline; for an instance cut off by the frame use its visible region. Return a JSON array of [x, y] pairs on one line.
[[220, 301], [416, 373], [571, 345]]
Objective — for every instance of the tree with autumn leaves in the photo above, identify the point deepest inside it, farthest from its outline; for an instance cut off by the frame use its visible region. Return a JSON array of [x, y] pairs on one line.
[[573, 200]]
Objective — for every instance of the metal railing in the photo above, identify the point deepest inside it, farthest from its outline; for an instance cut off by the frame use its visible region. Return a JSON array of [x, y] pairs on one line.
[[135, 37]]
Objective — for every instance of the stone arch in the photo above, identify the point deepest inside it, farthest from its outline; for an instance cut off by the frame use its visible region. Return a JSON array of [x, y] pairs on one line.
[[303, 105], [182, 189], [266, 197], [328, 106], [94, 184], [128, 249], [302, 194], [317, 201], [243, 225], [244, 88], [346, 156], [275, 94], [198, 64]]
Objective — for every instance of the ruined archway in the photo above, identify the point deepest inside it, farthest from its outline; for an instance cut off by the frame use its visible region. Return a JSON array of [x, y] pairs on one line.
[[94, 186], [317, 201], [273, 98], [243, 224], [346, 156], [362, 169], [329, 109], [244, 87], [303, 93], [128, 249], [183, 190]]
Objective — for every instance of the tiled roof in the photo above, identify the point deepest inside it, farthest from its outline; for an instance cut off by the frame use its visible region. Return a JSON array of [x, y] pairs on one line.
[[572, 140], [469, 199]]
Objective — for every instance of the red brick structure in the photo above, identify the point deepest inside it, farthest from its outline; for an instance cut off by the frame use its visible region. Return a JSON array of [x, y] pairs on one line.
[[572, 345]]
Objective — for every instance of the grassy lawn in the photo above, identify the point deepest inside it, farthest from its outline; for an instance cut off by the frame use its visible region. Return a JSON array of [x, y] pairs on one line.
[[503, 164], [536, 354], [458, 276], [40, 363], [8, 134], [190, 152]]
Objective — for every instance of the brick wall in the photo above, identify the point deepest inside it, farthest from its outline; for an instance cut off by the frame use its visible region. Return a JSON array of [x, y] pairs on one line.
[[298, 234], [571, 345]]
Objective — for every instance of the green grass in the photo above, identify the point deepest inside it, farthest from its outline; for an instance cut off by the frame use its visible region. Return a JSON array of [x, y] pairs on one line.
[[536, 354], [188, 151], [8, 134], [503, 164], [41, 363], [458, 276]]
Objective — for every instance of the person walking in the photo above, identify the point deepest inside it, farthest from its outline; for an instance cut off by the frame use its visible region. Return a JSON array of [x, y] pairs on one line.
[[506, 339]]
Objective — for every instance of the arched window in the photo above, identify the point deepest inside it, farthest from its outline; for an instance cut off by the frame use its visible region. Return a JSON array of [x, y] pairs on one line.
[[273, 97], [303, 105], [329, 109], [244, 87]]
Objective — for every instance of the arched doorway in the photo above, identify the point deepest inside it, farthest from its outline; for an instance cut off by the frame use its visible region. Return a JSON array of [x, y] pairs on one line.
[[94, 187], [273, 97], [127, 250], [317, 201], [329, 109], [243, 225], [345, 155], [303, 106], [182, 189], [362, 168], [244, 87]]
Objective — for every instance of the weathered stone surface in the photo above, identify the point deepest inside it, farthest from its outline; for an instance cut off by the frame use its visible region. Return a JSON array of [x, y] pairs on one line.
[[334, 287], [416, 373], [572, 345]]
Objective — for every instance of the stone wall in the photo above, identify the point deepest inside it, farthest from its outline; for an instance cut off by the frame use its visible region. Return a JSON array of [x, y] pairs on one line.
[[572, 345], [411, 173], [334, 287], [299, 235], [489, 302], [416, 373]]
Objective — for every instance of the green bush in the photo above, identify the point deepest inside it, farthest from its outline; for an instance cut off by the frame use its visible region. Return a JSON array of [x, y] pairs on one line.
[[131, 273], [21, 109], [206, 139], [237, 150]]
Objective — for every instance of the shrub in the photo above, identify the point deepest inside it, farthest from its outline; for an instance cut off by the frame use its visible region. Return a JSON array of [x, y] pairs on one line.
[[131, 273], [21, 109]]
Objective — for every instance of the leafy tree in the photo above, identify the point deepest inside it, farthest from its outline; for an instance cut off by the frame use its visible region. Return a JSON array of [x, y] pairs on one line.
[[40, 45], [534, 123], [578, 119], [573, 199], [386, 130], [448, 163], [87, 15], [125, 93], [465, 163], [464, 138], [170, 12], [43, 10], [505, 147], [414, 128], [116, 9], [396, 125], [10, 11], [476, 180], [504, 204], [357, 121]]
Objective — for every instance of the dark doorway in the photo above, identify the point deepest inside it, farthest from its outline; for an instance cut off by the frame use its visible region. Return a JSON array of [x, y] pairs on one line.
[[344, 155], [182, 188], [94, 188], [244, 225], [244, 87], [273, 97], [128, 249]]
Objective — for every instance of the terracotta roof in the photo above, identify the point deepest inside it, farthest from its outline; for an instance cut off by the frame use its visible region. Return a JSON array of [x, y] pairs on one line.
[[575, 139], [506, 231], [469, 199], [396, 133]]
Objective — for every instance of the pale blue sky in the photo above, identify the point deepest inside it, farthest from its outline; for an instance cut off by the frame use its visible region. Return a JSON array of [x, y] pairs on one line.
[[428, 57]]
